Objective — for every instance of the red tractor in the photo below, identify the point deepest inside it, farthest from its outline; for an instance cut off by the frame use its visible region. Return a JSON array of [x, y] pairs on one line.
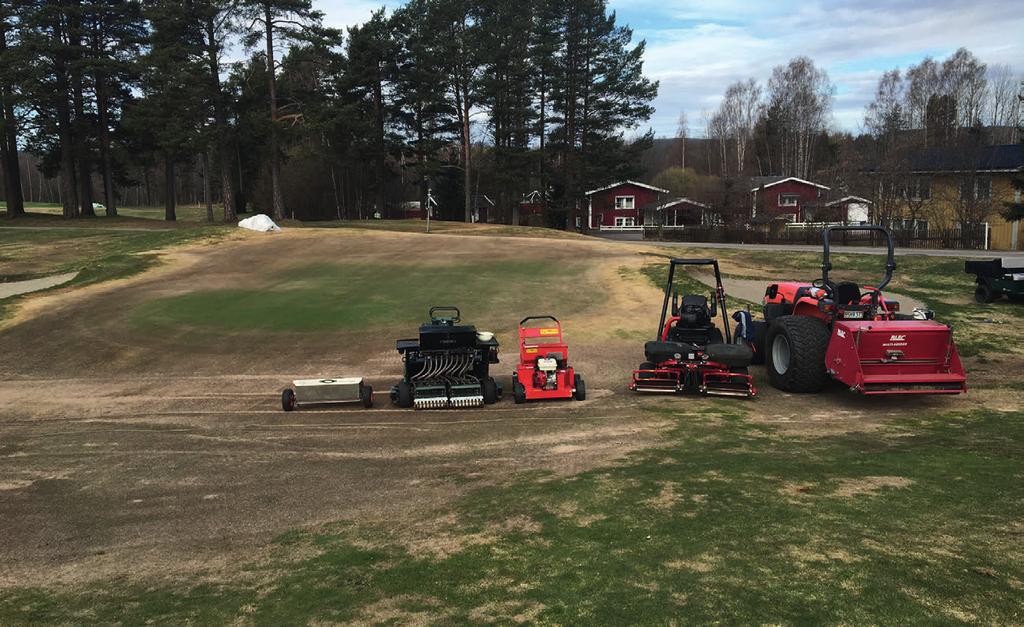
[[543, 371], [689, 353], [823, 329]]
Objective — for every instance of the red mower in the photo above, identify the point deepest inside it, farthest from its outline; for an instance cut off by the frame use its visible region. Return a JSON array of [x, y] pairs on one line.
[[821, 330], [690, 355], [543, 371]]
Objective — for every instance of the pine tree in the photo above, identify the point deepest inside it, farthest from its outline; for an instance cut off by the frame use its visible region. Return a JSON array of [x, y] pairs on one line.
[[276, 23]]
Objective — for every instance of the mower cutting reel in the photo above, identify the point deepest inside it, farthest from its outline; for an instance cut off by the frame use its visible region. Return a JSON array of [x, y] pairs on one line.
[[689, 353], [853, 334], [544, 371], [327, 391], [447, 366]]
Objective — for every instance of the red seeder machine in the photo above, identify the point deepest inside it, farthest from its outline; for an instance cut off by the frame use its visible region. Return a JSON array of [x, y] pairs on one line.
[[544, 371], [690, 355], [814, 331]]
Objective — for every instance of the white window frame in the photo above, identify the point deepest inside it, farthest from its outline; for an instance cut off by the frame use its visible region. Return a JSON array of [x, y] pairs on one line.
[[631, 199], [789, 196], [625, 221]]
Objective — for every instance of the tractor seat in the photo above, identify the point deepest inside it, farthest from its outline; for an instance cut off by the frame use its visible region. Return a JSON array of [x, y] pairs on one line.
[[732, 355], [694, 311], [660, 352], [847, 293]]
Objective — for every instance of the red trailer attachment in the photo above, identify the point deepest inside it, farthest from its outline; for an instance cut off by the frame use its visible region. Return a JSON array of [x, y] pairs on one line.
[[895, 357]]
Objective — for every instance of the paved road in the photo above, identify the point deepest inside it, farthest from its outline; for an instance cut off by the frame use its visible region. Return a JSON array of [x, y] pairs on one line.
[[928, 252]]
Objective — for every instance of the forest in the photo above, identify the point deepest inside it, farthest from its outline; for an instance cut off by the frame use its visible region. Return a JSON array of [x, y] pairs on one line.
[[256, 105]]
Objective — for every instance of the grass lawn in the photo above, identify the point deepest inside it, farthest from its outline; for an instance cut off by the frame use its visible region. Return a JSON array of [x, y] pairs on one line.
[[729, 521], [96, 255], [354, 296]]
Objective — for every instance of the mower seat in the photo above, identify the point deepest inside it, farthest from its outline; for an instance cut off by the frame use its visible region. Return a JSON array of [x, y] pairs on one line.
[[731, 355], [660, 352]]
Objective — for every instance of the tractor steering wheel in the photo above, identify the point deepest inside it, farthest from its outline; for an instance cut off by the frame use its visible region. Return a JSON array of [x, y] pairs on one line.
[[821, 284]]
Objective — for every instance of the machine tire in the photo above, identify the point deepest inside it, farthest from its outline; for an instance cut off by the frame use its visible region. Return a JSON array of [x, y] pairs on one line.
[[404, 394], [796, 346], [518, 393], [647, 365], [984, 293], [366, 396], [757, 347], [490, 391], [581, 388], [288, 399]]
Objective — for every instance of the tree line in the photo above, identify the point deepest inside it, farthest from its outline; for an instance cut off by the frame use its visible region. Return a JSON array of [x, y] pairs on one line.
[[458, 98]]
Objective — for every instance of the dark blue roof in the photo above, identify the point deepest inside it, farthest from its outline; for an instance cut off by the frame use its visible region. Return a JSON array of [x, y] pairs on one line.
[[956, 159]]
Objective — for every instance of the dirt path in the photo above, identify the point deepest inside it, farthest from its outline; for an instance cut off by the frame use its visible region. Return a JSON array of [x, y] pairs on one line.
[[752, 290], [34, 285]]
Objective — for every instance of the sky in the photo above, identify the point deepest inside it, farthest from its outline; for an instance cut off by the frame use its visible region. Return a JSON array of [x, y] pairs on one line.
[[695, 49]]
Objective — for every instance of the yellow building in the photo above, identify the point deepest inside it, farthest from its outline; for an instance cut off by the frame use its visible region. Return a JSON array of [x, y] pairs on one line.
[[947, 188]]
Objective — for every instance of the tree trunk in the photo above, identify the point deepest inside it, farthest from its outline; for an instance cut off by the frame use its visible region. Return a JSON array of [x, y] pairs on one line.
[[69, 188], [467, 146], [207, 188], [220, 122], [277, 198], [103, 106], [379, 163], [169, 184], [9, 144], [81, 130]]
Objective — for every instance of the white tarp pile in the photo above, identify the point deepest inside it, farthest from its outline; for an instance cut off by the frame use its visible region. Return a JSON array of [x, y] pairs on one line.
[[260, 222]]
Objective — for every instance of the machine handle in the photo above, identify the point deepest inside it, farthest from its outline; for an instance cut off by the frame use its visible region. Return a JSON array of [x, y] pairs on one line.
[[719, 290], [890, 258], [528, 318], [458, 314]]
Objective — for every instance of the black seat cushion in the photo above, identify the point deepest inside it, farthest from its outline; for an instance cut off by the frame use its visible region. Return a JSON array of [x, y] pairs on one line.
[[847, 293], [658, 352], [732, 355]]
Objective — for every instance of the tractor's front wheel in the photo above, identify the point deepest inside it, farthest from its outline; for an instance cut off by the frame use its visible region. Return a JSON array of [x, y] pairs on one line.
[[795, 356], [647, 365], [757, 345], [985, 294]]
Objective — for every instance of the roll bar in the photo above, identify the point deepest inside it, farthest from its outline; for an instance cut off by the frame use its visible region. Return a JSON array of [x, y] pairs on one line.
[[826, 264], [719, 291], [528, 318], [458, 314]]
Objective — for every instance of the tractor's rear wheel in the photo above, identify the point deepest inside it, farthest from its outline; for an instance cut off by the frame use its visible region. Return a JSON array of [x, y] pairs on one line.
[[490, 392], [985, 294], [581, 388], [757, 345], [795, 356], [404, 394]]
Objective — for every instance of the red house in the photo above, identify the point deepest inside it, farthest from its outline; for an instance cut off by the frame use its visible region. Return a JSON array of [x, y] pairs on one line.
[[531, 209], [784, 198], [618, 205]]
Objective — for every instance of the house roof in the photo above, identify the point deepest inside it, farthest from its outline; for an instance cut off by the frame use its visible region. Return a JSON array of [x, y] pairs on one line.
[[1003, 158], [848, 199], [617, 184], [768, 181], [672, 202]]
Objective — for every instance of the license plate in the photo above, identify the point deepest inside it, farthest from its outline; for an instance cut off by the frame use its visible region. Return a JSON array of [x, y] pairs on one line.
[[853, 315]]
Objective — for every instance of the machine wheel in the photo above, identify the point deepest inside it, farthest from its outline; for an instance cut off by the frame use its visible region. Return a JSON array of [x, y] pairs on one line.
[[796, 353], [581, 388], [366, 396], [757, 346], [490, 391], [647, 365], [518, 393], [984, 293], [288, 399], [404, 394]]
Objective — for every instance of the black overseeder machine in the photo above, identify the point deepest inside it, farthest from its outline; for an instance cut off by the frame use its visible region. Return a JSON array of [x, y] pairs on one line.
[[448, 365]]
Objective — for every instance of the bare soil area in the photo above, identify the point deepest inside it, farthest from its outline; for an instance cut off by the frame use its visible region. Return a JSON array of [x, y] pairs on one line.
[[129, 453]]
